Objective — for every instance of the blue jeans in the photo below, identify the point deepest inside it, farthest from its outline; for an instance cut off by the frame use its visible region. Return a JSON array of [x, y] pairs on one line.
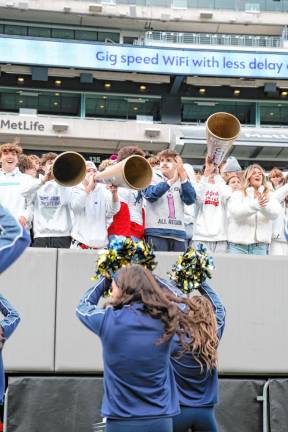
[[144, 425], [200, 419], [166, 244], [252, 249]]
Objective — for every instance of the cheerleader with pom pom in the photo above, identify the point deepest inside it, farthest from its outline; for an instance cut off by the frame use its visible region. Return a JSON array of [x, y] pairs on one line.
[[136, 331], [196, 371]]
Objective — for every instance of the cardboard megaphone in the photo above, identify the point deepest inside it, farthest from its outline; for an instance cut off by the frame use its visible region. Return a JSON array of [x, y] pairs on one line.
[[134, 172], [222, 129], [69, 168]]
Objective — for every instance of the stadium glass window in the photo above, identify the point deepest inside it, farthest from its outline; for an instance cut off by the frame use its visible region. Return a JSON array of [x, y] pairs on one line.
[[59, 103], [63, 33], [274, 114], [15, 30], [225, 4], [158, 3], [8, 102], [86, 35], [103, 36], [198, 111], [54, 103], [43, 32], [129, 40], [1, 28], [106, 107], [122, 107], [205, 4]]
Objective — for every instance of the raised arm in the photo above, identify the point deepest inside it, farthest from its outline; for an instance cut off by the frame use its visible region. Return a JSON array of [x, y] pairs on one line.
[[13, 239], [112, 202], [272, 209], [171, 286], [240, 207], [188, 194], [154, 192], [87, 311], [217, 304]]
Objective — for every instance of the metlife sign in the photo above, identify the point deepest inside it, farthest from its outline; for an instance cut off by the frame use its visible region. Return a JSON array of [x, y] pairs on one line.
[[261, 64], [21, 125]]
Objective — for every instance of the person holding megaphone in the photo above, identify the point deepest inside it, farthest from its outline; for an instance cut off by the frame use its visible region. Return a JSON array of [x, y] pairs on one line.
[[93, 206], [50, 201]]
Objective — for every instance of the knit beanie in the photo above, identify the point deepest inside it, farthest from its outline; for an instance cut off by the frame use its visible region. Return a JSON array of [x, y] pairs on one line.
[[232, 165]]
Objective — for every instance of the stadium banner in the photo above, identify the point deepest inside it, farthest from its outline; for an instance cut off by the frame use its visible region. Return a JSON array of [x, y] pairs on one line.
[[155, 60]]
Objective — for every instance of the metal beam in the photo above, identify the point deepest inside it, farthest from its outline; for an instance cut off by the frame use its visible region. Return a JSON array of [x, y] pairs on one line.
[[176, 84], [256, 152]]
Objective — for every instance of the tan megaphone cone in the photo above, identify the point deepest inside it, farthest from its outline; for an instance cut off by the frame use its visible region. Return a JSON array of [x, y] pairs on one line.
[[133, 172], [222, 130], [69, 168]]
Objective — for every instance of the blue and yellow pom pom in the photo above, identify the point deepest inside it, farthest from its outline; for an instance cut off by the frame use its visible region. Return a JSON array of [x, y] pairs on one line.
[[192, 268]]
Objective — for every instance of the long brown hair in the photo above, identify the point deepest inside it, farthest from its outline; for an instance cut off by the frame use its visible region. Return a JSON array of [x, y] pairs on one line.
[[204, 331], [193, 326], [137, 285]]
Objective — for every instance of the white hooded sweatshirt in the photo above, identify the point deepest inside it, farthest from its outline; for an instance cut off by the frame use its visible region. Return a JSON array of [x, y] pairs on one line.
[[210, 215], [51, 208], [11, 187], [92, 214]]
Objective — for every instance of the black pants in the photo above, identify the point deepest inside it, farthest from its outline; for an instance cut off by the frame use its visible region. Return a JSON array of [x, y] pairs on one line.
[[166, 244], [52, 242]]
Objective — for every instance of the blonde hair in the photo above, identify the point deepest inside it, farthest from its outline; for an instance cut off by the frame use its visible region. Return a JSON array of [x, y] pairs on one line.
[[246, 178]]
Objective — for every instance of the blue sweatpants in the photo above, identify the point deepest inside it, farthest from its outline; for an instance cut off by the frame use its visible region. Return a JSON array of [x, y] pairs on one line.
[[197, 419], [144, 425]]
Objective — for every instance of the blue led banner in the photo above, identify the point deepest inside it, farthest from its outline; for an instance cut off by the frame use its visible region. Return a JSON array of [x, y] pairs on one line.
[[262, 64]]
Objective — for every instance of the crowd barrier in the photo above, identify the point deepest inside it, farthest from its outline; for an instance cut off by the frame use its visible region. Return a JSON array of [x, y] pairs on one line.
[[45, 286], [72, 404]]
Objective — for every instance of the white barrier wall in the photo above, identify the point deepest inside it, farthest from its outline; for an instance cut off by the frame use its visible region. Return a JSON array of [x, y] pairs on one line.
[[77, 348], [253, 289], [30, 285]]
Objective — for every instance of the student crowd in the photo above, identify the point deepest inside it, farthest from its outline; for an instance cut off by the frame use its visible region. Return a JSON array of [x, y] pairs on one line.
[[225, 208]]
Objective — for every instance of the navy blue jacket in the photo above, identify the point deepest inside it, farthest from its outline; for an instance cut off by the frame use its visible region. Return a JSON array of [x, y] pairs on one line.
[[138, 375], [196, 388], [13, 239], [8, 324], [153, 192]]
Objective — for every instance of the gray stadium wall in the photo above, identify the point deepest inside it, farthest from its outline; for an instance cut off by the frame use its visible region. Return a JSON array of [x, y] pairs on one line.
[[45, 286]]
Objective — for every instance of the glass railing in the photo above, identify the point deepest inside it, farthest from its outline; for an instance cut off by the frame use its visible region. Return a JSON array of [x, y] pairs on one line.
[[251, 6], [170, 38]]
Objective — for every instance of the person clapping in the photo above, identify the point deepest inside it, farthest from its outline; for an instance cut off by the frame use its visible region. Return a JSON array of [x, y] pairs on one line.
[[251, 212]]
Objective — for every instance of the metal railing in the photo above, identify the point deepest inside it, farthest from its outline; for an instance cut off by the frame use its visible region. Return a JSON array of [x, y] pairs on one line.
[[171, 38]]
